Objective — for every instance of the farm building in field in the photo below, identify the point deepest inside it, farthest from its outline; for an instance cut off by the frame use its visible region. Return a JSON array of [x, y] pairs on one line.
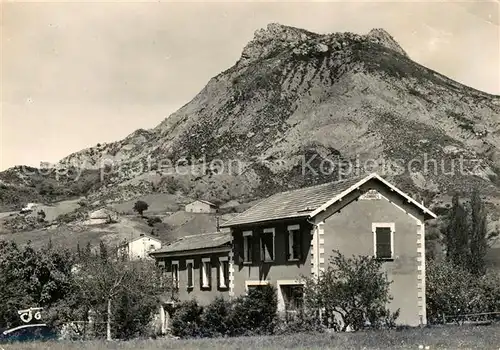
[[139, 248], [201, 206], [294, 233]]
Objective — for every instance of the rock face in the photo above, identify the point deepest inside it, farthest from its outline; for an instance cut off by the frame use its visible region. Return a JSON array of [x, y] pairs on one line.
[[296, 97]]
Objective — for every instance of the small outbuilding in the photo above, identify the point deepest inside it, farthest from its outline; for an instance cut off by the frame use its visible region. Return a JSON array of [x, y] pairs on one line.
[[201, 206]]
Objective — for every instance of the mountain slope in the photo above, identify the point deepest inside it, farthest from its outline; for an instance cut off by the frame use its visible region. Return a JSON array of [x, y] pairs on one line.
[[297, 98]]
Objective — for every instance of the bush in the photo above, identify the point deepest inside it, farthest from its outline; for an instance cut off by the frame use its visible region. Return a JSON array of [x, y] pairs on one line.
[[252, 314], [299, 322], [353, 292], [83, 203], [255, 313], [453, 291], [70, 217], [41, 216], [186, 321], [215, 321], [489, 284], [153, 220]]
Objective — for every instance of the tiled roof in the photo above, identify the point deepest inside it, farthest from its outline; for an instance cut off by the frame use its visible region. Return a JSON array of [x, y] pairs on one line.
[[194, 242], [292, 204]]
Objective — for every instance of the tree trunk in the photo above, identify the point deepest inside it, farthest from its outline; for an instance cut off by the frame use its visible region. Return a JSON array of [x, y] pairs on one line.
[[108, 321]]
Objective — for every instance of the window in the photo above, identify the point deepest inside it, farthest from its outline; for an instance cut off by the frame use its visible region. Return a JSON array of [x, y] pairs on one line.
[[247, 246], [267, 244], [151, 247], [189, 271], [293, 296], [223, 272], [383, 240], [175, 274], [205, 272], [294, 245]]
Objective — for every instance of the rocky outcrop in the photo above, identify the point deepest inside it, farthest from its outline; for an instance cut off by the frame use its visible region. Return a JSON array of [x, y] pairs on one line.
[[380, 36]]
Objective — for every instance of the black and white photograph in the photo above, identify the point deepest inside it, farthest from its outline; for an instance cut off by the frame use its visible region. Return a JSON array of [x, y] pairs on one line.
[[249, 175]]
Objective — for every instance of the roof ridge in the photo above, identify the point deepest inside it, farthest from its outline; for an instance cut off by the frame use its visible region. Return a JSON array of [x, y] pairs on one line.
[[203, 234]]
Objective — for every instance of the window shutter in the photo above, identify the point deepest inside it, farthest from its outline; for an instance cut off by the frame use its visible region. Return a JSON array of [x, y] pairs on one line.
[[209, 274], [201, 270], [226, 273], [190, 274], [296, 244], [241, 248], [218, 274], [250, 248], [383, 242]]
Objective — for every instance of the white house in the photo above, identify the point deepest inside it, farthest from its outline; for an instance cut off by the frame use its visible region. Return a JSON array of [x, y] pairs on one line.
[[140, 247], [201, 206]]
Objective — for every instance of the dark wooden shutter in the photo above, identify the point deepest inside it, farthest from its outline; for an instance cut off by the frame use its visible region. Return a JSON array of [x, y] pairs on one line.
[[226, 273], [219, 277], [209, 273], [250, 248], [297, 244], [190, 268], [240, 247], [383, 242]]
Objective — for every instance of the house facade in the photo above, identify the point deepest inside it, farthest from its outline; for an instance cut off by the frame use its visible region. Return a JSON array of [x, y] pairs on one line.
[[198, 268], [139, 248], [198, 265], [293, 234], [201, 206]]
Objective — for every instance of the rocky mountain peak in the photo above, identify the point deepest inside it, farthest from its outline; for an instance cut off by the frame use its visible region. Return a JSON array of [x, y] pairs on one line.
[[382, 37], [276, 37], [273, 38]]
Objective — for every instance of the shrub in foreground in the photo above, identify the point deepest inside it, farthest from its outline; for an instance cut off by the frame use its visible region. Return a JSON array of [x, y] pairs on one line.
[[301, 321], [215, 321], [452, 290], [186, 321], [252, 314], [255, 313], [352, 293]]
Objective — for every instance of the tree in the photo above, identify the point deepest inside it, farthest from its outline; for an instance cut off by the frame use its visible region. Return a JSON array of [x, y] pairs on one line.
[[457, 234], [30, 278], [112, 287], [466, 236], [141, 207], [41, 216], [103, 251], [354, 288], [478, 234]]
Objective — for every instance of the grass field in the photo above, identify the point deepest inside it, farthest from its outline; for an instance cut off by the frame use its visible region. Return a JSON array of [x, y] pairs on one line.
[[463, 337]]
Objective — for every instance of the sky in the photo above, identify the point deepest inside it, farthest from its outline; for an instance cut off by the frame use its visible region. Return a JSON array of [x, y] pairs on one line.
[[77, 74]]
